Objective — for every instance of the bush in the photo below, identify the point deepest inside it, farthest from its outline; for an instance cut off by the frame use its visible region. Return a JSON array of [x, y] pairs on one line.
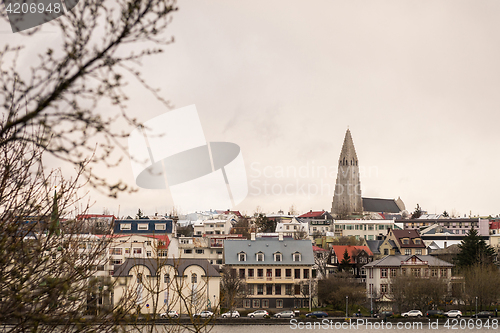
[[302, 316]]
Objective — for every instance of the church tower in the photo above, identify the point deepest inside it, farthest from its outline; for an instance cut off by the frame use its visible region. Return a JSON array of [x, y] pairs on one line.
[[347, 197]]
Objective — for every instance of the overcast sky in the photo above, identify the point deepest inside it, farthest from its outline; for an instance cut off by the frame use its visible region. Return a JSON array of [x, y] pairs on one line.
[[416, 82]]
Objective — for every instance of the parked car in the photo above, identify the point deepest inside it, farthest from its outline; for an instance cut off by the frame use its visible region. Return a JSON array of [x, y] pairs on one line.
[[412, 313], [431, 313], [318, 314], [453, 314], [231, 314], [483, 314], [258, 314], [204, 314], [169, 314], [384, 314], [285, 314]]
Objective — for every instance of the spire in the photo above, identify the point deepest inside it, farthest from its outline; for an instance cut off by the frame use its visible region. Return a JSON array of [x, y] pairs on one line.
[[348, 151], [54, 218]]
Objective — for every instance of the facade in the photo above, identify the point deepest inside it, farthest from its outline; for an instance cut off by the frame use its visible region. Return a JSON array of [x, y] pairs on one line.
[[144, 227], [380, 272], [157, 285], [277, 271], [209, 247], [363, 229], [347, 196], [215, 226], [456, 226]]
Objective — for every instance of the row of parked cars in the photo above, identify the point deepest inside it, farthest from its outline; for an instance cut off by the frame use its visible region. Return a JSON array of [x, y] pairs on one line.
[[430, 313]]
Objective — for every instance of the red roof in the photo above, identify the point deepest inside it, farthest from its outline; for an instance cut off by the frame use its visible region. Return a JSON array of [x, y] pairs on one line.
[[317, 248], [352, 250], [313, 214], [494, 224]]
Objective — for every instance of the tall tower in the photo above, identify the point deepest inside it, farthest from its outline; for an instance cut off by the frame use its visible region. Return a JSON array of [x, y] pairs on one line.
[[347, 196]]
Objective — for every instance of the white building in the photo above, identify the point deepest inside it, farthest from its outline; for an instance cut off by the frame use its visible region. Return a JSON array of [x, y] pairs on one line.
[[364, 229], [220, 226]]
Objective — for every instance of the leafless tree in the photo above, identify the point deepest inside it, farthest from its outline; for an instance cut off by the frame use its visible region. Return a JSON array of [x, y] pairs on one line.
[[416, 292], [233, 287]]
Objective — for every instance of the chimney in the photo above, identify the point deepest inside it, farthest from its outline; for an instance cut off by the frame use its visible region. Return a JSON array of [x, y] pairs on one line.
[[252, 236], [280, 236]]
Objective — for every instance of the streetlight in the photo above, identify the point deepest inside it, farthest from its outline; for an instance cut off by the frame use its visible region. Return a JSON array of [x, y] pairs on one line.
[[346, 305], [476, 305], [214, 304]]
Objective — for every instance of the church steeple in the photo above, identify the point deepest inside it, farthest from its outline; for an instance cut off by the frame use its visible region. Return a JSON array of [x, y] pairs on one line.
[[347, 197]]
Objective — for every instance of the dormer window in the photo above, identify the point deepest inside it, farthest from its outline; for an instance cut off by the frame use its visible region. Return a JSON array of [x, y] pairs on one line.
[[278, 257], [417, 241], [297, 256], [242, 256], [259, 256], [406, 241]]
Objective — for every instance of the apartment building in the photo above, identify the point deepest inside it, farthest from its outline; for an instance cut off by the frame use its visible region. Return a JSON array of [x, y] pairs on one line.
[[278, 272]]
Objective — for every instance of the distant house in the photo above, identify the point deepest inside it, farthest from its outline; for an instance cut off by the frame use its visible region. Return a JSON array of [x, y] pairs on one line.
[[292, 227], [277, 271], [460, 226], [380, 272], [358, 256], [319, 222], [407, 242], [220, 226], [96, 223]]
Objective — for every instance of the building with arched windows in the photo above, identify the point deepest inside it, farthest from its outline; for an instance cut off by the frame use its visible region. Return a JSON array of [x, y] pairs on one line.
[[157, 285]]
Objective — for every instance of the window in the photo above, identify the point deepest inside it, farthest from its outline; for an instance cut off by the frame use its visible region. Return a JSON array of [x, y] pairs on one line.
[[383, 288], [250, 273], [256, 303], [260, 273], [279, 303], [370, 271], [166, 278], [162, 253], [148, 253], [242, 273], [265, 303], [434, 272], [288, 273], [296, 256], [269, 273], [194, 278], [277, 289], [406, 241], [297, 289], [386, 252], [277, 256], [149, 243], [415, 272], [444, 272], [160, 226], [417, 241], [125, 226], [242, 256], [116, 261], [219, 251], [188, 251], [247, 303], [407, 252], [269, 289], [260, 256], [185, 241], [137, 250], [200, 251], [127, 251], [393, 272], [260, 289], [115, 251], [383, 273], [305, 290], [142, 226], [306, 273], [277, 273], [418, 251], [288, 289], [250, 289], [297, 273]]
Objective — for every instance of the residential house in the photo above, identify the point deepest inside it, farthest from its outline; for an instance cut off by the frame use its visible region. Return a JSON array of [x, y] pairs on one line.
[[292, 227], [380, 272], [358, 257], [277, 271], [460, 226], [320, 222], [209, 247], [407, 242], [364, 229], [220, 226]]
